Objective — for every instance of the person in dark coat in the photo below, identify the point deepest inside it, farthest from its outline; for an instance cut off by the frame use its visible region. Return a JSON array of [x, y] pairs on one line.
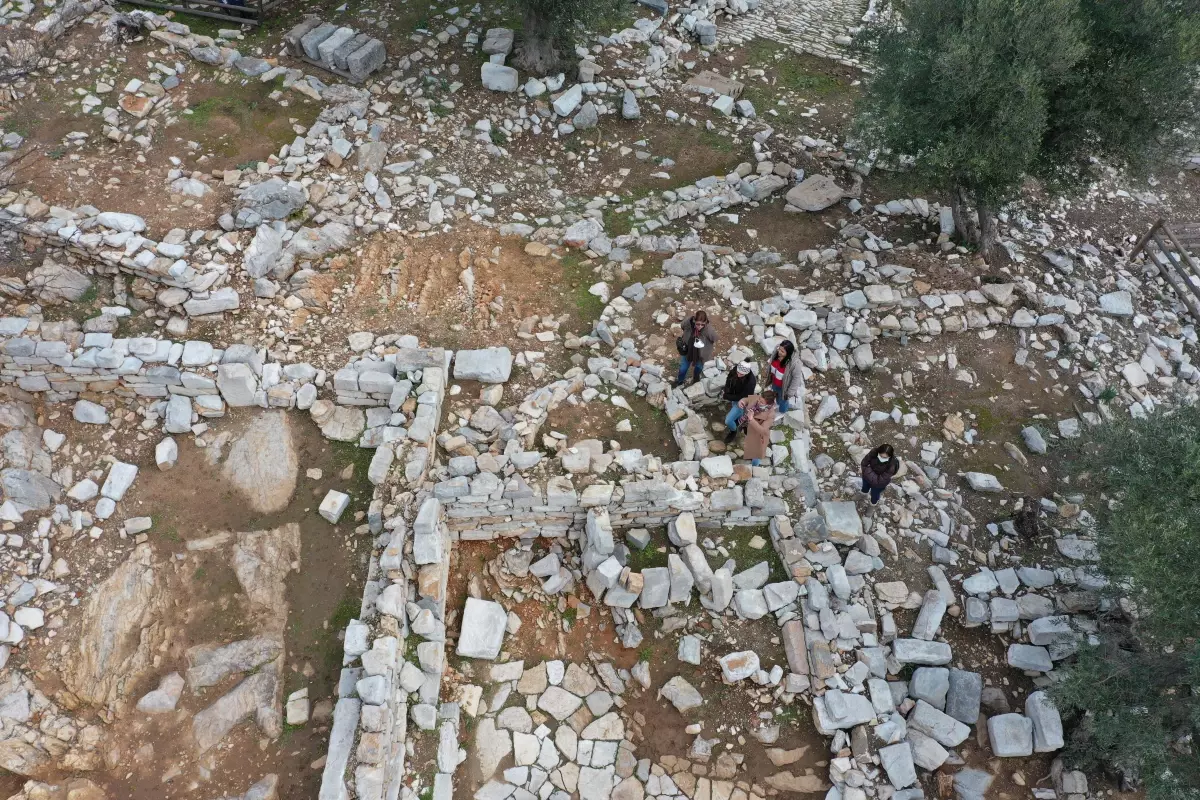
[[878, 468], [699, 336], [738, 386], [740, 382]]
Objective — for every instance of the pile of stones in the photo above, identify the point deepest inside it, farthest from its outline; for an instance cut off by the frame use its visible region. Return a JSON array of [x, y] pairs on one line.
[[339, 50]]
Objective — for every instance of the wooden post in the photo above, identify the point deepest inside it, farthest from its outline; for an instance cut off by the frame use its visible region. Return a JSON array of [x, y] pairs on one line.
[[1175, 274], [1183, 254], [1137, 248]]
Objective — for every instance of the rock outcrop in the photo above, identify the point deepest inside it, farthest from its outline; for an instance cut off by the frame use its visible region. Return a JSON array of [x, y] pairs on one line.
[[120, 632], [262, 463]]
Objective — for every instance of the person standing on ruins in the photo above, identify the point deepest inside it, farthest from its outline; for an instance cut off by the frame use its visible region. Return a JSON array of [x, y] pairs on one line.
[[878, 468], [758, 415], [695, 345], [786, 376]]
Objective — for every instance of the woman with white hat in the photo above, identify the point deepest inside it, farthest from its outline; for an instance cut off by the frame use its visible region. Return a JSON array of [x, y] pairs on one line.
[[739, 384]]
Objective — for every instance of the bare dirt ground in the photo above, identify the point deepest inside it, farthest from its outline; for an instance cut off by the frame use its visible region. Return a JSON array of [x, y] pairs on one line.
[[193, 502], [417, 286], [209, 123]]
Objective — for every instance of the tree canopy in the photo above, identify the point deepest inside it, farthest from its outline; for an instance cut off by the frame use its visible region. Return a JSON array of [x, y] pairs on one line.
[[1133, 694], [985, 93], [1133, 97]]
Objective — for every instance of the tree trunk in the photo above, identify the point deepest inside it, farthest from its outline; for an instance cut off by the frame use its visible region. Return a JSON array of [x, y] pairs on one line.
[[538, 55], [964, 223], [989, 234], [979, 229]]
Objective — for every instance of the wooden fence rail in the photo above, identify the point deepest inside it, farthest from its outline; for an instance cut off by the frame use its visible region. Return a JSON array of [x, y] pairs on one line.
[[1169, 252]]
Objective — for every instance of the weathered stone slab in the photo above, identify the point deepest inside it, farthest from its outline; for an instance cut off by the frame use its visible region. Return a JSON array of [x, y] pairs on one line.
[[715, 83]]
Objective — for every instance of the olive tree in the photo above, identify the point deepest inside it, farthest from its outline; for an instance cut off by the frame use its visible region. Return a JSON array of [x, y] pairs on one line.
[[551, 27], [983, 94], [1130, 699]]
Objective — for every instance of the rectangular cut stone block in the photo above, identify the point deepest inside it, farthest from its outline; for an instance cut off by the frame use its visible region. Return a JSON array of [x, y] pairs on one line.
[[946, 730], [337, 58], [428, 546], [836, 710], [716, 83], [929, 619], [842, 521], [1029, 658], [341, 743], [963, 699], [918, 651], [897, 761], [490, 365], [1046, 722], [292, 38], [366, 59], [483, 626], [656, 587], [795, 646], [327, 48], [1011, 735], [311, 40]]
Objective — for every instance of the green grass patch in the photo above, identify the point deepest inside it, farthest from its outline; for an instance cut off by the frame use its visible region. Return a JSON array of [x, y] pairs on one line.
[[646, 418], [327, 643], [578, 276], [277, 21], [203, 26], [986, 420], [716, 141], [791, 70], [410, 648], [790, 77], [203, 112], [654, 554], [619, 222], [620, 17], [911, 183], [737, 542], [83, 309], [350, 454], [620, 218], [648, 271], [240, 117], [788, 717]]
